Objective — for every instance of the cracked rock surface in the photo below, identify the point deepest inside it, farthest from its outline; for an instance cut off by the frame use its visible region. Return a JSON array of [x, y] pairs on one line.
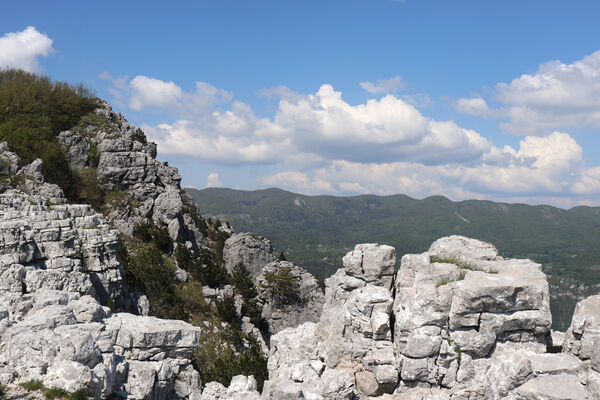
[[456, 322]]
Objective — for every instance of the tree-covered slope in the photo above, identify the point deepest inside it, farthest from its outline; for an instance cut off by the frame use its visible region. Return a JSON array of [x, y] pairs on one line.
[[317, 231]]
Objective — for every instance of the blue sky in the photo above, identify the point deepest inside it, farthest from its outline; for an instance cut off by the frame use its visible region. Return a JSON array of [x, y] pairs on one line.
[[470, 99]]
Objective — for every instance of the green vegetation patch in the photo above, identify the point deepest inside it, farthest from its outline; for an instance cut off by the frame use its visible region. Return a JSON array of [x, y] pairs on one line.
[[282, 286], [462, 266], [203, 265], [229, 352], [32, 385], [35, 110], [151, 272]]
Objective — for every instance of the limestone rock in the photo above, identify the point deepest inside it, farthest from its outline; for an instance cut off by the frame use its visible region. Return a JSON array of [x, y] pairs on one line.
[[253, 250], [76, 147], [350, 350], [583, 336], [241, 388], [144, 188], [468, 325], [306, 306]]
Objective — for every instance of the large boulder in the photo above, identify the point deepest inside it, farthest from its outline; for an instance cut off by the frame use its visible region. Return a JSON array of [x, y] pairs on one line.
[[71, 342], [350, 350], [253, 250], [241, 388], [303, 300]]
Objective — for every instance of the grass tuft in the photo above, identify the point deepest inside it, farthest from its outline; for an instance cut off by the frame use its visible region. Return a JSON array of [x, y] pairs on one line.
[[32, 385]]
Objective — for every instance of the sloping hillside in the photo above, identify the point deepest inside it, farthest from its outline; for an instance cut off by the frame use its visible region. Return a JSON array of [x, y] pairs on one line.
[[317, 231]]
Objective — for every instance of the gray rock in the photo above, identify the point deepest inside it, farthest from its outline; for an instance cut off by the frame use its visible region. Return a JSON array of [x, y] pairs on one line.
[[254, 251], [240, 388], [469, 325], [554, 387], [583, 336], [76, 147], [352, 335], [305, 307]]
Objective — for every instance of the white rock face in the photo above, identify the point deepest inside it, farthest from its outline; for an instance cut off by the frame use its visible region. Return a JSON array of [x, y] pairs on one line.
[[350, 349], [253, 250], [240, 388], [467, 325], [58, 264], [152, 188], [583, 339], [306, 307]]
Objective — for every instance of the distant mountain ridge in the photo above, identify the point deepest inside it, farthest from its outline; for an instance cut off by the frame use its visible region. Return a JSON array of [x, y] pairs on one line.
[[316, 231]]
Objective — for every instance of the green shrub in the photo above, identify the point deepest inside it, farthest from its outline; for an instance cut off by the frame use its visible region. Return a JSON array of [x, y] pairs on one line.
[[32, 385], [93, 156], [226, 309], [221, 356], [193, 299], [242, 281], [34, 111], [55, 393], [281, 257], [150, 272], [139, 136], [202, 264], [80, 394], [282, 286], [149, 232], [142, 231], [89, 190], [2, 391]]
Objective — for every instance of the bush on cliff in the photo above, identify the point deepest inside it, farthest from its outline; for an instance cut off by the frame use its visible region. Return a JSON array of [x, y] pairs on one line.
[[227, 353], [150, 272], [203, 265], [282, 286], [34, 109]]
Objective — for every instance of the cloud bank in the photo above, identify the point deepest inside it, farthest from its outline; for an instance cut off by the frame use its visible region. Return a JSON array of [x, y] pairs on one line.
[[23, 49], [558, 96], [319, 143]]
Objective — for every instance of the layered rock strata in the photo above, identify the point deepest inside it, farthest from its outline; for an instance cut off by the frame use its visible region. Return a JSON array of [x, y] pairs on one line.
[[142, 188], [58, 266]]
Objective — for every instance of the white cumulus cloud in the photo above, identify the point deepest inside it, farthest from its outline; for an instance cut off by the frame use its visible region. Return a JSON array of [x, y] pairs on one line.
[[213, 180], [390, 85], [558, 96], [23, 49], [319, 143], [540, 168], [143, 92], [320, 126], [476, 106]]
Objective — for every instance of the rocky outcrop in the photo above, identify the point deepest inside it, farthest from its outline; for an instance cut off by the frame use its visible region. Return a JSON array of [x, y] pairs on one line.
[[467, 324], [305, 300], [141, 188], [253, 250], [350, 349], [583, 339], [59, 272], [59, 246], [70, 341], [240, 388]]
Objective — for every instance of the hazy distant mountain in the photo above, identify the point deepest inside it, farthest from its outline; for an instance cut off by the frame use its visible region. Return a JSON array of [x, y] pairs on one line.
[[316, 231]]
